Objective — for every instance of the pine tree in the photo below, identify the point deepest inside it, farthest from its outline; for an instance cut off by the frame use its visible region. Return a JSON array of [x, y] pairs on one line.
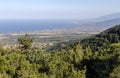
[[25, 42]]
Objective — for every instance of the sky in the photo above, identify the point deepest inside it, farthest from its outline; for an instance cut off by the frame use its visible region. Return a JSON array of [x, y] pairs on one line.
[[57, 9]]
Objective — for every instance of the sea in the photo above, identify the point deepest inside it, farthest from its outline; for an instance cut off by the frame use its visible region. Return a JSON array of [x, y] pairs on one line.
[[7, 26]]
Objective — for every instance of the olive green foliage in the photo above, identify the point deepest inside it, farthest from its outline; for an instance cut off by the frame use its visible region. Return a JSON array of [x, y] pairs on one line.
[[73, 61], [25, 41], [36, 63], [103, 40]]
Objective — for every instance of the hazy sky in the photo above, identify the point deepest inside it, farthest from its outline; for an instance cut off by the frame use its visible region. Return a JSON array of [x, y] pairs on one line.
[[57, 9]]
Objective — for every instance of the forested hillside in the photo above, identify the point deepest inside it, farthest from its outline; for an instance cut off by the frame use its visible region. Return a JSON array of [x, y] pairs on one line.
[[95, 57], [104, 39]]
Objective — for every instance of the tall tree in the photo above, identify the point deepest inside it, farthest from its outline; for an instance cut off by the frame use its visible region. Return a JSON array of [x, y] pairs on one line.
[[25, 42]]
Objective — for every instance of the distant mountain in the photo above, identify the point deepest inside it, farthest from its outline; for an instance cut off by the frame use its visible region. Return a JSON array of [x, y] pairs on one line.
[[104, 24], [108, 17], [98, 24], [100, 18]]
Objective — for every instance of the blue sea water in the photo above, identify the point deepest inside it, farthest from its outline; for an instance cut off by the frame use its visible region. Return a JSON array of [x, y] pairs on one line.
[[32, 25]]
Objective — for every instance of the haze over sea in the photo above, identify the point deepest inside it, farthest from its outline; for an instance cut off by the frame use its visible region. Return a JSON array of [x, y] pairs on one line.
[[32, 25]]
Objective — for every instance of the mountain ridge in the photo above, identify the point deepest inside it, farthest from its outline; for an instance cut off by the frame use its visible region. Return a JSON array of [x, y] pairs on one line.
[[104, 39]]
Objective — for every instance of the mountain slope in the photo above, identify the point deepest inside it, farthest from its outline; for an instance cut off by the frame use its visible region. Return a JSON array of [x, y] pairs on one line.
[[103, 39], [95, 42]]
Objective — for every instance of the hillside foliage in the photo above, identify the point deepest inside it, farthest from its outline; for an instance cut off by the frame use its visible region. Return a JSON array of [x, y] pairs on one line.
[[104, 39], [98, 57]]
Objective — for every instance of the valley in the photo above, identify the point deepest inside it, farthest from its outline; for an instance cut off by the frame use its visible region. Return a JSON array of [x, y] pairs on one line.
[[45, 38]]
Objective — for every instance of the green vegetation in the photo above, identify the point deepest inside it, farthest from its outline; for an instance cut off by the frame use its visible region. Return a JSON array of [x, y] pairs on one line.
[[103, 40], [25, 42], [95, 57]]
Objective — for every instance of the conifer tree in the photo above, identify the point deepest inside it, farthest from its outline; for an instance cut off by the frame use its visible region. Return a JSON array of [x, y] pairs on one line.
[[25, 42]]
